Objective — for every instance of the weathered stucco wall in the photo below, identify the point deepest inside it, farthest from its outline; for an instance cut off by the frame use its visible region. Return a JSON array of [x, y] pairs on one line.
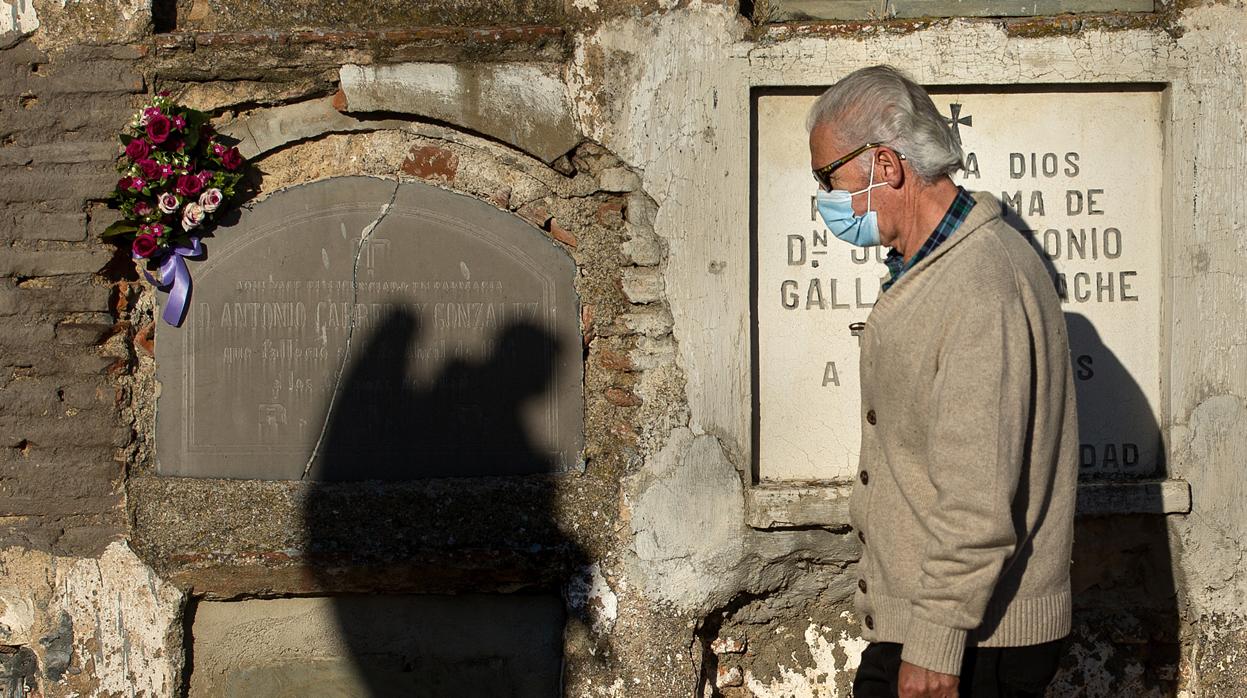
[[621, 131]]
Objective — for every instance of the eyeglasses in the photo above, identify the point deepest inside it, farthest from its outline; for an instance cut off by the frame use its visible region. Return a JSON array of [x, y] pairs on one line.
[[823, 174]]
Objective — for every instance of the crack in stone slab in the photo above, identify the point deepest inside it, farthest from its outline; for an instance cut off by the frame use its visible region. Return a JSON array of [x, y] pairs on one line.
[[364, 235]]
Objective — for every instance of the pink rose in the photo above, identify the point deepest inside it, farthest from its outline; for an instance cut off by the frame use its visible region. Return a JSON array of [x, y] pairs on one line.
[[231, 159], [158, 127], [150, 169], [211, 200], [169, 202], [192, 216], [189, 185], [144, 245], [137, 149]]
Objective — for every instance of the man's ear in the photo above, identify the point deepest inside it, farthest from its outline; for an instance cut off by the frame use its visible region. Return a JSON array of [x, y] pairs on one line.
[[888, 167]]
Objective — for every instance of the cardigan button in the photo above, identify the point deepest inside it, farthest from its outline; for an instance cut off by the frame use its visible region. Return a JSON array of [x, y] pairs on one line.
[[861, 584], [870, 417], [870, 623], [864, 477]]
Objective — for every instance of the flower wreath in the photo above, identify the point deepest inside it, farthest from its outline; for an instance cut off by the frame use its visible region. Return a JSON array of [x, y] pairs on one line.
[[177, 179]]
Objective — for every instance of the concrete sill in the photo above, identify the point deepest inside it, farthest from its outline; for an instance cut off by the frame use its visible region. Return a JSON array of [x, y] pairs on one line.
[[774, 506]]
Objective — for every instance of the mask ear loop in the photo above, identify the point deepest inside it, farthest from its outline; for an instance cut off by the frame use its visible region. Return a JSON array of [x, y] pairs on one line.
[[870, 187]]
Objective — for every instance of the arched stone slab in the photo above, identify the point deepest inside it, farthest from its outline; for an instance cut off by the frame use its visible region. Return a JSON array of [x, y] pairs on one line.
[[357, 329]]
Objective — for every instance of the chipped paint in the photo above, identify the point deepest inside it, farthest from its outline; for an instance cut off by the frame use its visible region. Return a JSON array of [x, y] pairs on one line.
[[835, 654], [18, 16]]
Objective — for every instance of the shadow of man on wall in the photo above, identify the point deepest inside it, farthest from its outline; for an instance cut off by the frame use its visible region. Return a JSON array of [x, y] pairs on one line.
[[432, 516], [1126, 625]]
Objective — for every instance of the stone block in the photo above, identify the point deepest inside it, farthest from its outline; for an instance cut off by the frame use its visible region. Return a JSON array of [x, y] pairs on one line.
[[87, 76], [482, 645], [523, 104], [264, 130], [28, 263], [64, 153], [39, 225], [643, 284], [618, 179], [73, 295], [643, 251], [654, 322]]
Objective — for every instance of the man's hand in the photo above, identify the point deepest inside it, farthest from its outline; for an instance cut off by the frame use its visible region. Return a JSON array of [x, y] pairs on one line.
[[916, 682]]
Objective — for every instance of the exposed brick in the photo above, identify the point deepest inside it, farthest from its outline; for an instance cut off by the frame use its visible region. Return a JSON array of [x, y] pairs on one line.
[[563, 235], [501, 198], [626, 432], [622, 397], [586, 321], [27, 263], [610, 213], [614, 361], [145, 338], [339, 100], [431, 162], [534, 213]]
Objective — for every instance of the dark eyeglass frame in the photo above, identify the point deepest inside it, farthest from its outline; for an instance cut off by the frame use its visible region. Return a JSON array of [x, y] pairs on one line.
[[823, 174]]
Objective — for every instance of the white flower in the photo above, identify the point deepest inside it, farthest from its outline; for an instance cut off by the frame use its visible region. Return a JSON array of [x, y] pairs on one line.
[[210, 200], [168, 202], [192, 216]]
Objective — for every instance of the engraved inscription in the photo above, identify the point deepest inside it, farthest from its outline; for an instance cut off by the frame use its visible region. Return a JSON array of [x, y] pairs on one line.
[[315, 335], [1089, 207]]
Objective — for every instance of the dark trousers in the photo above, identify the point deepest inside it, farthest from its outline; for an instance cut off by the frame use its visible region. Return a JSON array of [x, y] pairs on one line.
[[986, 672]]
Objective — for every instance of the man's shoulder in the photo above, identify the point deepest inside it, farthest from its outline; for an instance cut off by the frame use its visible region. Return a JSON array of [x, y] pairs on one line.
[[993, 257]]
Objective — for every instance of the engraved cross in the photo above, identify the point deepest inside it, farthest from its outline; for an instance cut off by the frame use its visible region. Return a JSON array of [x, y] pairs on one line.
[[956, 120]]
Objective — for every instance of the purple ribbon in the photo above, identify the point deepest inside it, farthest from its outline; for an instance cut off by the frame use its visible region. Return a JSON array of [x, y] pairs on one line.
[[175, 279]]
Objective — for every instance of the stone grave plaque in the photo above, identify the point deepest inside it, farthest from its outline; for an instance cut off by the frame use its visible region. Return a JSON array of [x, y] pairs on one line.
[[1078, 172], [359, 329]]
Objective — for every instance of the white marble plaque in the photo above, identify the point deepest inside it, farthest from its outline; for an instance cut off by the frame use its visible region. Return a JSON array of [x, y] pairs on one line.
[[1079, 172]]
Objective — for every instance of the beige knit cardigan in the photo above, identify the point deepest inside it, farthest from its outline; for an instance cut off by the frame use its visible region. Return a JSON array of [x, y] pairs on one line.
[[965, 494]]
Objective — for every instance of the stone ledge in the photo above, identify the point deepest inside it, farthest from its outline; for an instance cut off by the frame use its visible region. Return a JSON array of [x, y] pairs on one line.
[[340, 39], [774, 506]]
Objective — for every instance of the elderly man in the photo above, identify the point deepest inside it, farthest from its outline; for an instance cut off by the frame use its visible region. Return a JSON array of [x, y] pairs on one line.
[[964, 500]]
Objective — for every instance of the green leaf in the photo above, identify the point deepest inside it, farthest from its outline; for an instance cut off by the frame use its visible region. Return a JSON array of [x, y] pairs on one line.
[[126, 138], [119, 228]]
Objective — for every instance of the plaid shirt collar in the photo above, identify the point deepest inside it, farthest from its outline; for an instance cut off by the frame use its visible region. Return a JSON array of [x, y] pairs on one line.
[[948, 225]]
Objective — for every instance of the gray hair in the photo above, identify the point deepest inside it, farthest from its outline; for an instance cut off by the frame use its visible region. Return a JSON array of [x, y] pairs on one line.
[[881, 105]]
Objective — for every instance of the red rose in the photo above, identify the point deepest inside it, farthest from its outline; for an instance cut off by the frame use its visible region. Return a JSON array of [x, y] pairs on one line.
[[158, 128], [150, 169], [123, 184], [231, 159], [144, 245], [137, 149], [189, 185]]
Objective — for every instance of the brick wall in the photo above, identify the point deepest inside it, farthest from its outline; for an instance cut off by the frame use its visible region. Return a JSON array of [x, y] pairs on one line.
[[60, 479]]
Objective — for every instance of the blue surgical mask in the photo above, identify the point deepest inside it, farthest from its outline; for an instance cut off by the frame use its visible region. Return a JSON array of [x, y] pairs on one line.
[[836, 208]]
